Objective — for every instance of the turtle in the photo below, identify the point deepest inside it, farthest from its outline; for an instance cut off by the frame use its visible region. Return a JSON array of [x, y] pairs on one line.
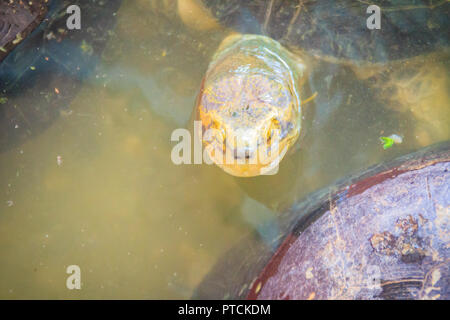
[[250, 103], [43, 62], [381, 233]]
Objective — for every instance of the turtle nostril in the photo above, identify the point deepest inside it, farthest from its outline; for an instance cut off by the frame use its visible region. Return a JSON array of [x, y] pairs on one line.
[[242, 154], [236, 154]]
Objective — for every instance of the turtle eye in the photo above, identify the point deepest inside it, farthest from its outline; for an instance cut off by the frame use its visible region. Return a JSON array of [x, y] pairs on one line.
[[218, 129], [215, 124], [273, 127]]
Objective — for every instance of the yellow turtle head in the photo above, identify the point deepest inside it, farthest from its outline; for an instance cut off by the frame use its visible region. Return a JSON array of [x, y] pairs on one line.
[[249, 106]]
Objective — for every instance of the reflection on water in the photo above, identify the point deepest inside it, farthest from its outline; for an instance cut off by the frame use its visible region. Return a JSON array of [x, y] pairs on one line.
[[98, 188]]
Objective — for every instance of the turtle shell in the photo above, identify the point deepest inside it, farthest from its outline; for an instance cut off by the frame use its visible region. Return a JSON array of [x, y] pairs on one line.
[[17, 20], [380, 234], [44, 63], [338, 29]]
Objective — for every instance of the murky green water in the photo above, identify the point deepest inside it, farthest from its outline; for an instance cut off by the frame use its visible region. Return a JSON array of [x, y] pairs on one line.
[[98, 188]]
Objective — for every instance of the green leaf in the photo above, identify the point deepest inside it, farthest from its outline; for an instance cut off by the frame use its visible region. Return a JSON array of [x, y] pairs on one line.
[[387, 142]]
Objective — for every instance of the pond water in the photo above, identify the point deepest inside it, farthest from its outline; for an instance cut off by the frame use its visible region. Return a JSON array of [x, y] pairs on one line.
[[98, 188]]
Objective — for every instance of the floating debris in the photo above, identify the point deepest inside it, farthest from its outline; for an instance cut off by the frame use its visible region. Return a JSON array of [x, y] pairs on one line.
[[258, 288], [65, 113], [50, 36], [86, 48], [3, 100], [310, 98], [59, 161], [388, 142], [17, 39]]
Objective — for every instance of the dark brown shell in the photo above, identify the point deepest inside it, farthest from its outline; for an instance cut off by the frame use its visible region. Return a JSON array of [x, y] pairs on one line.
[[41, 74], [338, 29], [381, 235], [17, 20]]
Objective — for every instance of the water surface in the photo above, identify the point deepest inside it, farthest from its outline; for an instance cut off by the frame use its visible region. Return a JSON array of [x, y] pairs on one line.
[[98, 189]]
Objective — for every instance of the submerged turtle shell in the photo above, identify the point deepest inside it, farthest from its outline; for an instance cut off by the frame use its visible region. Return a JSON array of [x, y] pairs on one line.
[[338, 29], [380, 234], [42, 70]]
